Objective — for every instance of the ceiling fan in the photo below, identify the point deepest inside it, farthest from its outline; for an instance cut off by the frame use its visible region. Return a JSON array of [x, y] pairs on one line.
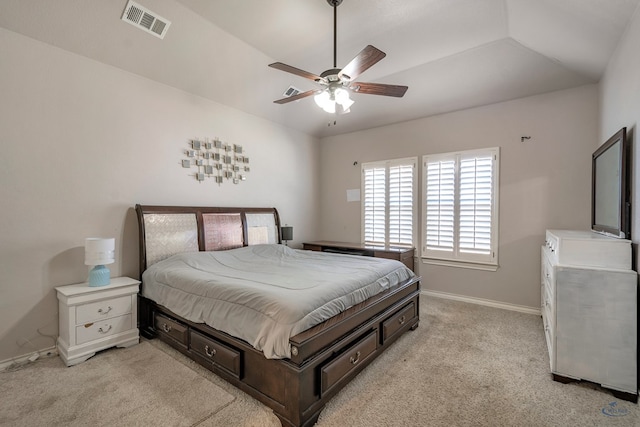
[[337, 84]]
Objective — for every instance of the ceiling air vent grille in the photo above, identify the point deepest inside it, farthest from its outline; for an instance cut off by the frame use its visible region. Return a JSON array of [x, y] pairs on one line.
[[146, 20], [291, 91]]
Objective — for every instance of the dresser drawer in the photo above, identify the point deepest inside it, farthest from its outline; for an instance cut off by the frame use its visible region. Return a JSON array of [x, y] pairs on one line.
[[397, 321], [218, 353], [547, 302], [340, 368], [548, 318], [548, 276], [549, 336], [103, 309], [171, 328], [102, 328]]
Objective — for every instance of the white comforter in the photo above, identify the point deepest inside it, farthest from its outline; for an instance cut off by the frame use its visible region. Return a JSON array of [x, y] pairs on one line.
[[265, 294]]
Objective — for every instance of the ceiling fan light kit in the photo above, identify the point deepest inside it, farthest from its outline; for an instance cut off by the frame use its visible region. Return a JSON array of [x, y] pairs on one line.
[[337, 84], [334, 96]]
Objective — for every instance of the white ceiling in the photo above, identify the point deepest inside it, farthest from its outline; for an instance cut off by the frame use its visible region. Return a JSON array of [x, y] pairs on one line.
[[453, 54]]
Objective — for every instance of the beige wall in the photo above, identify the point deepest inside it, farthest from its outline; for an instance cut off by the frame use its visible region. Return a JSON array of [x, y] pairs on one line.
[[545, 182], [82, 143], [620, 107]]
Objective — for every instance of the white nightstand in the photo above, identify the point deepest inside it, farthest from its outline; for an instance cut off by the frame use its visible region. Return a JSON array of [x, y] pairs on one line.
[[95, 318]]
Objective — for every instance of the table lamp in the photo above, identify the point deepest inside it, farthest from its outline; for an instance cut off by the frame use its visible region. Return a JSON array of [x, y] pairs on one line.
[[98, 252], [287, 233]]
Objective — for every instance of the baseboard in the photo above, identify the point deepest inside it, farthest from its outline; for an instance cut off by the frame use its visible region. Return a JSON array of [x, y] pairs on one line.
[[481, 301], [22, 360]]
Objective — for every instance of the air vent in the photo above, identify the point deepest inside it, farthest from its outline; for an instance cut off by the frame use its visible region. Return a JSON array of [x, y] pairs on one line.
[[291, 91], [143, 18]]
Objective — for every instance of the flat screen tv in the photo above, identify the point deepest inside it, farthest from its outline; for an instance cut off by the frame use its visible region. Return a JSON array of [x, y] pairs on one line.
[[610, 204]]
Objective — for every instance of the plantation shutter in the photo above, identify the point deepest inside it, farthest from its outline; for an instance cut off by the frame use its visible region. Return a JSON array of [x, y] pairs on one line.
[[475, 204], [440, 205], [388, 206], [375, 204], [401, 205], [460, 206]]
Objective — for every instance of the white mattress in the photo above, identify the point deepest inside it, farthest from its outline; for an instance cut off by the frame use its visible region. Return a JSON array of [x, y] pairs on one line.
[[265, 294]]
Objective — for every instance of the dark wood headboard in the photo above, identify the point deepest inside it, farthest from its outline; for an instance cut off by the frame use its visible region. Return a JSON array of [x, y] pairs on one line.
[[168, 230]]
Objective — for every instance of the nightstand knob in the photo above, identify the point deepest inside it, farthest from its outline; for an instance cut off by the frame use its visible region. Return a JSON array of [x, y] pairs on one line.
[[355, 359], [104, 331], [210, 352], [166, 327], [101, 311], [402, 320]]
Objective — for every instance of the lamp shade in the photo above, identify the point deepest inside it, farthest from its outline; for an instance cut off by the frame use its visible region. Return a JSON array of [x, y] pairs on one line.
[[99, 251], [287, 232]]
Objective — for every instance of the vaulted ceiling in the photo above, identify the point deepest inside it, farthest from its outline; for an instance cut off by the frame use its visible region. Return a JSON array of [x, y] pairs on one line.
[[453, 54]]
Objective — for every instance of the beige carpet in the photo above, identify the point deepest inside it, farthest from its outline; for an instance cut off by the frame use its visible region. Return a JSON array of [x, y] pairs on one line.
[[465, 365], [139, 385]]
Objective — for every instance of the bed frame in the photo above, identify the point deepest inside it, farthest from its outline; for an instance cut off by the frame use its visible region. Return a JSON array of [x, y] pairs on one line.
[[324, 358]]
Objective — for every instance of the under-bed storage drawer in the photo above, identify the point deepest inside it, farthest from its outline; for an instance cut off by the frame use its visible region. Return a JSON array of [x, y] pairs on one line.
[[216, 352], [397, 321], [339, 369], [171, 328]]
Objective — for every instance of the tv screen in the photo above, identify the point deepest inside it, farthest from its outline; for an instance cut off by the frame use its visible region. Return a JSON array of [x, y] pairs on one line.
[[610, 206]]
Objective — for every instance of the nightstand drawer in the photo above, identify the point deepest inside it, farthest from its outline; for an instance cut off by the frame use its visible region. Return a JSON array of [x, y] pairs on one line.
[[103, 328], [104, 309]]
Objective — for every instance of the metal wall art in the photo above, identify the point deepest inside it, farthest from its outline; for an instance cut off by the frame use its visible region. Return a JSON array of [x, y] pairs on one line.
[[216, 159]]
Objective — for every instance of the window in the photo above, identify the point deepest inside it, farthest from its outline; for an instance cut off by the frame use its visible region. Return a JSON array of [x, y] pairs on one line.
[[388, 208], [460, 208]]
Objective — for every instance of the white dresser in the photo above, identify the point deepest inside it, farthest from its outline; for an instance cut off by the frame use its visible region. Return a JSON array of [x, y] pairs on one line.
[[95, 318], [589, 309]]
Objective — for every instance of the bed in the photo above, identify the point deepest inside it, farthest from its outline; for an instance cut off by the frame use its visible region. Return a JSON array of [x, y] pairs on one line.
[[202, 267]]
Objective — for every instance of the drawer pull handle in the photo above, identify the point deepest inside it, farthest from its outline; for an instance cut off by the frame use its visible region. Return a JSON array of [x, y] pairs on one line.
[[166, 328], [210, 352], [104, 331], [356, 359], [402, 320], [101, 311]]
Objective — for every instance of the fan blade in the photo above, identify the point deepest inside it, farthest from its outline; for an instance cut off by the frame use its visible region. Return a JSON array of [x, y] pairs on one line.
[[296, 97], [293, 70], [379, 89], [362, 62]]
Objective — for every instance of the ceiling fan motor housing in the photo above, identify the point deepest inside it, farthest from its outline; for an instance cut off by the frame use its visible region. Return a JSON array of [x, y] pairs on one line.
[[332, 75]]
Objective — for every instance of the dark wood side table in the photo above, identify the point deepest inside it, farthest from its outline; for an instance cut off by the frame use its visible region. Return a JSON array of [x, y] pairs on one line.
[[404, 255]]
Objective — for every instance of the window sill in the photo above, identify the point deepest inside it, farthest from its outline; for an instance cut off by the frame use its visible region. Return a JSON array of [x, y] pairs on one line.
[[460, 264]]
